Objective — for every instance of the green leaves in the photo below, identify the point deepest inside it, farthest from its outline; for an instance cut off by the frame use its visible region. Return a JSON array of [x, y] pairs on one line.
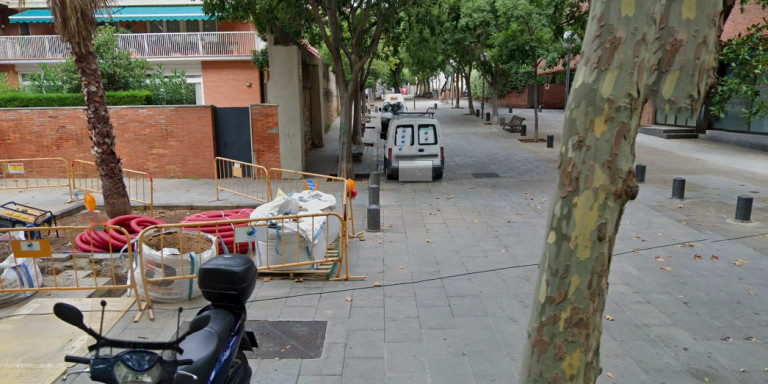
[[745, 76]]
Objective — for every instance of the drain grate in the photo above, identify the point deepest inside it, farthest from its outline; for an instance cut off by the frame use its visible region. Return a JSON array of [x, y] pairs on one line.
[[287, 339], [485, 175]]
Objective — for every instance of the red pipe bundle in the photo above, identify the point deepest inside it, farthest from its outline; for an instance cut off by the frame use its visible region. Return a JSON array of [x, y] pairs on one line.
[[96, 241], [223, 230]]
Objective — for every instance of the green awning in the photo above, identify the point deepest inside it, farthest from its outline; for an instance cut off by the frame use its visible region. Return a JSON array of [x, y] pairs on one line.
[[121, 14]]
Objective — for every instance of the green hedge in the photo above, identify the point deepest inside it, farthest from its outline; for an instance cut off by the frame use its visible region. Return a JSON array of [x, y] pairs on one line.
[[24, 100]]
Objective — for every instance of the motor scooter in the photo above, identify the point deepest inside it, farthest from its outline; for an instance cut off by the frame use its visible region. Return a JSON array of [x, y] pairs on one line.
[[211, 351]]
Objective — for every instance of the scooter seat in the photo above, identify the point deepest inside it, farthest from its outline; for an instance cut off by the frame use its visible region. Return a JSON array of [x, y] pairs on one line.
[[205, 345]]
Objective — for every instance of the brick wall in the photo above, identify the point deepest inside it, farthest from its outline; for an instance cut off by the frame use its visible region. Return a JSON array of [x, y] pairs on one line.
[[515, 99], [13, 76], [225, 83], [738, 22], [647, 115], [172, 141], [229, 26], [266, 135], [552, 98]]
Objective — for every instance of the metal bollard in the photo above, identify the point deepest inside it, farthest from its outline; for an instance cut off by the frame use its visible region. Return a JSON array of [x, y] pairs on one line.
[[522, 130], [550, 141], [541, 108], [374, 218], [678, 188], [501, 121], [510, 109], [374, 178], [477, 113], [487, 116], [435, 105], [744, 208], [373, 194], [640, 173]]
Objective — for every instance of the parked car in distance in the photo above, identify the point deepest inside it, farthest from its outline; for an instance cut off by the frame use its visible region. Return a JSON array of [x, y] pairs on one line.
[[414, 149], [394, 103]]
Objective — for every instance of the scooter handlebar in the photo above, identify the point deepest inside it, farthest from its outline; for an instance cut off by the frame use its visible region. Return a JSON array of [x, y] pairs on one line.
[[77, 359]]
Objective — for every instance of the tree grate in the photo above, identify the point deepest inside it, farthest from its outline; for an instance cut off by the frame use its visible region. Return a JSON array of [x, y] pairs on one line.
[[287, 339]]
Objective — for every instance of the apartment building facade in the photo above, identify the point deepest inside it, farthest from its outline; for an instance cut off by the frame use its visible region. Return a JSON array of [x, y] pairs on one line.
[[214, 54]]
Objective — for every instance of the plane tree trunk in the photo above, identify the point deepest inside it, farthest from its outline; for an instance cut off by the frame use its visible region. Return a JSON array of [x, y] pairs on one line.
[[633, 52]]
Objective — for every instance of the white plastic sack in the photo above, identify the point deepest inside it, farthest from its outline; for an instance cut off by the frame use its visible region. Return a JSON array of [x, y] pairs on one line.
[[281, 243], [171, 262], [19, 273]]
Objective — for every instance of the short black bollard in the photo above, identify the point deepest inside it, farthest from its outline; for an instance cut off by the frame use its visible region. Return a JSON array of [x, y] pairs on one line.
[[541, 108], [435, 105], [744, 208], [510, 109], [374, 218], [477, 113], [522, 130], [640, 173], [374, 178], [501, 121], [550, 141], [373, 194], [678, 188], [487, 116]]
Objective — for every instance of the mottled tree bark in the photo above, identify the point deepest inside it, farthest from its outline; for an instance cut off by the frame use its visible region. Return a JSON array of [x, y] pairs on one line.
[[468, 84], [634, 51], [116, 200]]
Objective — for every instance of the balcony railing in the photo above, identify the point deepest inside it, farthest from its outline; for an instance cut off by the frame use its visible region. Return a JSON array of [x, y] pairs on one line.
[[141, 45]]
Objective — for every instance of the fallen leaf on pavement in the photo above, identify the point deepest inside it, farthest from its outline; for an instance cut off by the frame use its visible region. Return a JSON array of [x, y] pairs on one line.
[[714, 258], [268, 278], [299, 280], [690, 245], [609, 318], [349, 298], [740, 262], [397, 201], [429, 241], [401, 267], [451, 197], [751, 292], [697, 257], [680, 206], [476, 220], [377, 284], [666, 268], [390, 225], [362, 238], [684, 222], [503, 250], [659, 258], [610, 375]]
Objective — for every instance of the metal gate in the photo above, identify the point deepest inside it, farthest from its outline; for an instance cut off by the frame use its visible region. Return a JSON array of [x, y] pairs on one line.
[[233, 133]]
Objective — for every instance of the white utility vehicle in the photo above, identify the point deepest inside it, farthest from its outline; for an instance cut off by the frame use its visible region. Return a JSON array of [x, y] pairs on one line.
[[414, 149], [393, 104]]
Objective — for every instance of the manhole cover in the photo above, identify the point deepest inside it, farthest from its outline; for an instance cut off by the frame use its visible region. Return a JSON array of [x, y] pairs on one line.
[[287, 339], [485, 175]]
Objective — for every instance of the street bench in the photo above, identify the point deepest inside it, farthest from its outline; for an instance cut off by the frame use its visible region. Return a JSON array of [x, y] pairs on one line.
[[514, 124]]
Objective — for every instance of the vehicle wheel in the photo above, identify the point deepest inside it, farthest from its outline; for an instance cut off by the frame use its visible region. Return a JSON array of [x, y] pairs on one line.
[[383, 135], [437, 175]]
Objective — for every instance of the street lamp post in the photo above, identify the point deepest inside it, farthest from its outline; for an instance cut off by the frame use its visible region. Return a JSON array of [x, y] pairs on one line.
[[484, 57]]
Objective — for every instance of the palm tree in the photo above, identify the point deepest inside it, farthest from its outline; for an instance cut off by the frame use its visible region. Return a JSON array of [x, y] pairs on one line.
[[75, 22]]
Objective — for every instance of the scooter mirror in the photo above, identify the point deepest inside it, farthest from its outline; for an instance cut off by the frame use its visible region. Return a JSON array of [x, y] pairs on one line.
[[70, 315]]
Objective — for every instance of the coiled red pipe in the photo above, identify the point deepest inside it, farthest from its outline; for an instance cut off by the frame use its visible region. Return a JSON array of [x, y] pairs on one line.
[[223, 230], [97, 241]]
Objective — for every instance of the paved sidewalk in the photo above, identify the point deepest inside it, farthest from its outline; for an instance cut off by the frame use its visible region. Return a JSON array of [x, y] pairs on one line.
[[457, 261]]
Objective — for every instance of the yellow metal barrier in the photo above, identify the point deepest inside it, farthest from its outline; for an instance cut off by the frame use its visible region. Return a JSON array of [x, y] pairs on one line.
[[51, 172], [85, 176], [314, 244], [242, 179], [43, 263]]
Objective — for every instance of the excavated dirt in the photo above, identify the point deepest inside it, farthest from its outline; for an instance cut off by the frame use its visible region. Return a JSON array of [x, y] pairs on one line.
[[184, 242]]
